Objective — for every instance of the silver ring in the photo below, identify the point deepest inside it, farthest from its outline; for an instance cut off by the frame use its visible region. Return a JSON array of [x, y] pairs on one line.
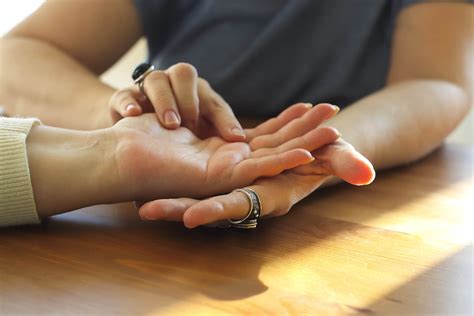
[[141, 80], [250, 220]]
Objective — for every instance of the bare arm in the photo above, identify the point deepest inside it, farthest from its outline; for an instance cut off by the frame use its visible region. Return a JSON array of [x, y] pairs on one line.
[[52, 60], [404, 121], [428, 92], [429, 88], [127, 161]]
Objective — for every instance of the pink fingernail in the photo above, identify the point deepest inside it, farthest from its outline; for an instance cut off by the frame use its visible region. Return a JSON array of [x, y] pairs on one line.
[[144, 215], [171, 118], [129, 107], [238, 131]]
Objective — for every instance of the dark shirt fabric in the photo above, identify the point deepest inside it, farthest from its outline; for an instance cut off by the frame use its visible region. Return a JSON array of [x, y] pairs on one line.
[[263, 55]]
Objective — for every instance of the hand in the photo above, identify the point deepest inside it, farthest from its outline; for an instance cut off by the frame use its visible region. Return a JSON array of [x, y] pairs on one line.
[[278, 194], [180, 98], [139, 159], [156, 162]]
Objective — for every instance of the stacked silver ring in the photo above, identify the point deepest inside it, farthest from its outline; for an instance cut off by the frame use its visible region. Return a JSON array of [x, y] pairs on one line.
[[249, 221]]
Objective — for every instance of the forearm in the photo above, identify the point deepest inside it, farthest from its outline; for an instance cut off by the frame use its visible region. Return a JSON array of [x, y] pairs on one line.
[[72, 169], [402, 122], [40, 80]]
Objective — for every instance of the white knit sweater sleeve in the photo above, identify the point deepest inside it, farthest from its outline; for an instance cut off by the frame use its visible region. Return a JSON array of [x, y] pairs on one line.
[[17, 205]]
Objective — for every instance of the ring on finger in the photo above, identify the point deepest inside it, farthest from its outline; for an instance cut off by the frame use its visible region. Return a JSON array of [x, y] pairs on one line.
[[250, 220], [140, 73]]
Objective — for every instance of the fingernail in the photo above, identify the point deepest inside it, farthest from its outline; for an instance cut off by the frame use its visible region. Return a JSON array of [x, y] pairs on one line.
[[238, 131], [336, 108], [308, 105], [171, 118], [312, 159], [144, 215], [129, 107]]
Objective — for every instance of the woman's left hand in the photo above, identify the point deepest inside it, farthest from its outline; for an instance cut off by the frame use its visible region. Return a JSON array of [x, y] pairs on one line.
[[278, 194], [179, 97]]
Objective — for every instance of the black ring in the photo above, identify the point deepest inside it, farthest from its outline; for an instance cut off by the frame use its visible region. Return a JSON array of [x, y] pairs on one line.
[[141, 71], [139, 75]]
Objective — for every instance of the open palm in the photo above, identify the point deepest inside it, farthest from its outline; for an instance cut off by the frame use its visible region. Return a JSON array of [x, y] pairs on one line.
[[157, 162], [279, 193]]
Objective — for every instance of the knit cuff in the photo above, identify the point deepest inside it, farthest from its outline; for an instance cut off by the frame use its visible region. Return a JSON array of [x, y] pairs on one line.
[[17, 204]]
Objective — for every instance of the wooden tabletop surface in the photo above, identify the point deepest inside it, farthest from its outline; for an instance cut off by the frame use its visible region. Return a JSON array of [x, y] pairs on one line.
[[401, 246]]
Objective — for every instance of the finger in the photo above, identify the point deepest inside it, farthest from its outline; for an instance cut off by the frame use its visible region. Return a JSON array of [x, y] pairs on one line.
[[230, 206], [342, 160], [219, 113], [184, 79], [277, 196], [165, 209], [169, 210], [124, 104], [297, 127], [157, 88], [274, 124], [310, 141], [269, 166]]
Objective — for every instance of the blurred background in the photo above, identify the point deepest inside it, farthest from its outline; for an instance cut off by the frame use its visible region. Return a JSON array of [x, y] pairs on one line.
[[12, 12]]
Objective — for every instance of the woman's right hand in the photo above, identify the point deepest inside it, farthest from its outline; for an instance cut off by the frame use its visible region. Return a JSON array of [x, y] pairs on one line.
[[179, 98]]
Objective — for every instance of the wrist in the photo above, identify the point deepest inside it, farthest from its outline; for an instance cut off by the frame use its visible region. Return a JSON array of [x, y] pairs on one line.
[[102, 113], [132, 176], [71, 169]]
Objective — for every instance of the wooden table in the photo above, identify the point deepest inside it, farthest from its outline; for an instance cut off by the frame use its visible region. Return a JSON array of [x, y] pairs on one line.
[[402, 246]]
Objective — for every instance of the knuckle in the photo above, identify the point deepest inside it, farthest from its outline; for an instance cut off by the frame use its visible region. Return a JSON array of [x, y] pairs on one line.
[[280, 162], [219, 207], [283, 208], [119, 97], [156, 75], [258, 142], [184, 70], [279, 138], [215, 105], [332, 132], [121, 94], [204, 83]]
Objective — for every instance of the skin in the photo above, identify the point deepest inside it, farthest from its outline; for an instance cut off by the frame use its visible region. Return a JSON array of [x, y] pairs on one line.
[[139, 159], [179, 98], [428, 92], [338, 159], [38, 46]]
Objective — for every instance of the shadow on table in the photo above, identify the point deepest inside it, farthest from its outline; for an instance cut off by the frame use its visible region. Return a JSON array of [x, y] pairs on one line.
[[105, 256]]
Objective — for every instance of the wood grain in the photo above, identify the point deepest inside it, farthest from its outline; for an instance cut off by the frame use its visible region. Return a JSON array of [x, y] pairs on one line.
[[402, 246]]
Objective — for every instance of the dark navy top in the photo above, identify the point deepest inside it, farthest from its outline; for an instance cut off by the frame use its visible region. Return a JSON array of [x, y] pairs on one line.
[[263, 55]]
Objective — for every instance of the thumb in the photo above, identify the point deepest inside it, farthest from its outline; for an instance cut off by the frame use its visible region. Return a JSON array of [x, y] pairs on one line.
[[124, 104]]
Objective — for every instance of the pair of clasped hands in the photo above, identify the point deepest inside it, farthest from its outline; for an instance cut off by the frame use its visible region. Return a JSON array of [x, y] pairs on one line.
[[183, 141]]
